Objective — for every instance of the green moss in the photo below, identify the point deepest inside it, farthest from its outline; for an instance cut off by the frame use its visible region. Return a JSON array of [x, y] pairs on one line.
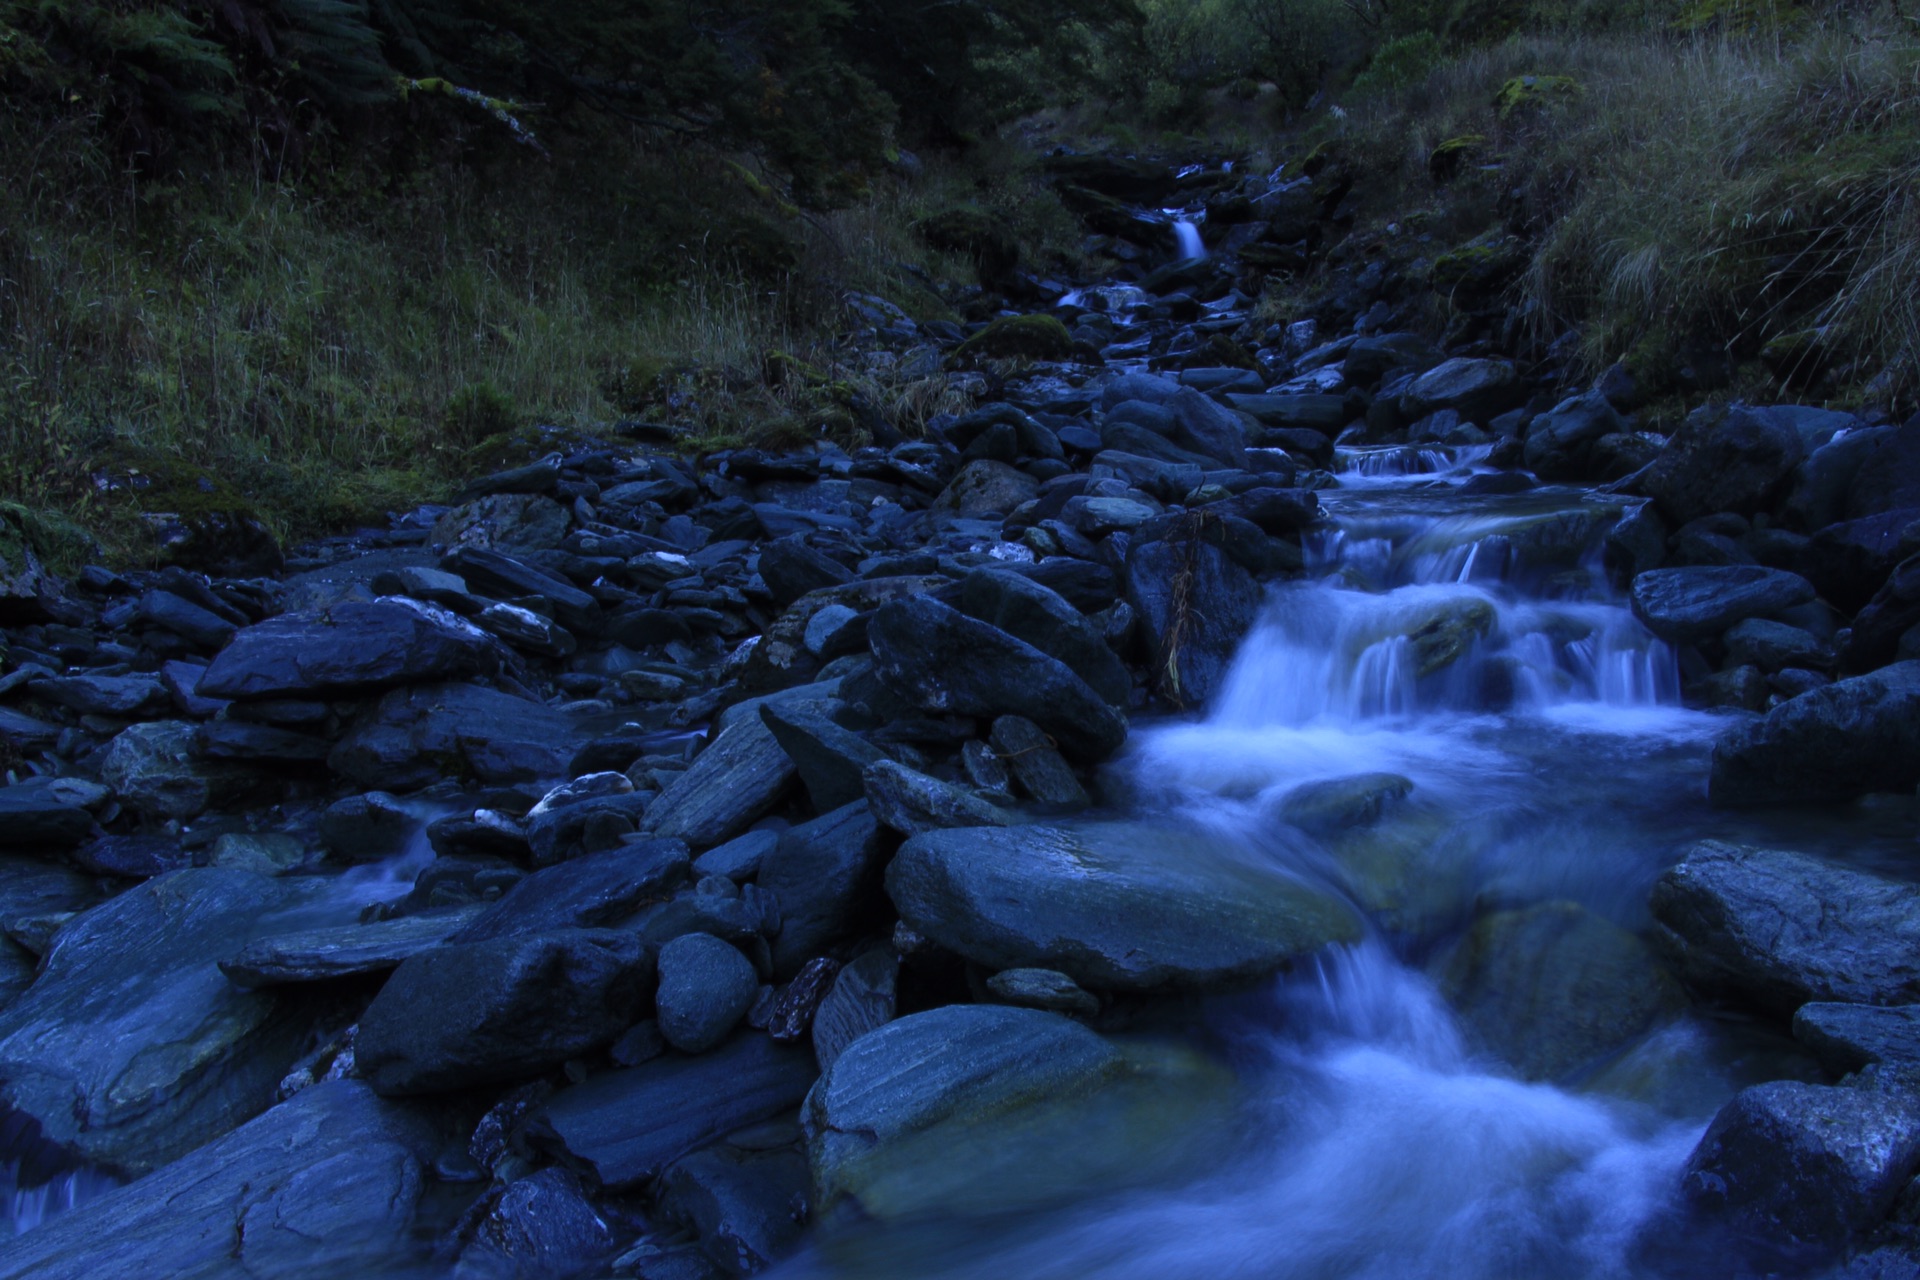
[[60, 544], [1033, 337], [1446, 160]]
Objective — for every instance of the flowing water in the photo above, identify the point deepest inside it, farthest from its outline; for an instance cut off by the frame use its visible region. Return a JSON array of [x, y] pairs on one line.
[[1470, 644]]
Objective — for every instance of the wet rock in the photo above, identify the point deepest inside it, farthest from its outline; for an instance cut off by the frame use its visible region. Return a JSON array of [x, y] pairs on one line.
[[1560, 444], [586, 892], [1115, 906], [729, 785], [414, 737], [825, 874], [629, 1124], [258, 744], [1803, 1166], [1848, 1037], [1850, 561], [1552, 987], [136, 856], [908, 802], [940, 660], [1041, 770], [156, 769], [1479, 390], [862, 1000], [1029, 611], [1842, 740], [1737, 459], [1892, 614], [504, 577], [1783, 928], [324, 1185], [1774, 646], [542, 1227], [1340, 804], [985, 488], [366, 828], [351, 648], [339, 951], [1196, 604], [829, 758], [1697, 603], [120, 696], [478, 1013], [706, 987], [791, 569], [502, 522], [37, 817], [263, 853], [1043, 989], [738, 859], [132, 1048], [748, 1207]]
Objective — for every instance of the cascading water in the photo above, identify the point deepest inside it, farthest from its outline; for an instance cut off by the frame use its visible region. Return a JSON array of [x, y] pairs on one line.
[[1187, 236]]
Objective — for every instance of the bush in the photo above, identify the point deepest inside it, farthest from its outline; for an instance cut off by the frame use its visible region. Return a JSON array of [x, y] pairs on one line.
[[1400, 62]]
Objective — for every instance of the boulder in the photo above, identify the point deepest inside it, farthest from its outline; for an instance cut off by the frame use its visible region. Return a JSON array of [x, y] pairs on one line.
[[350, 649], [729, 785], [940, 660], [862, 1000], [38, 817], [1832, 743], [629, 1124], [1115, 906], [985, 488], [1029, 611], [1699, 602], [1478, 390], [1196, 603], [478, 1013], [156, 768], [825, 874], [1801, 1167], [1892, 613], [1737, 459], [828, 758], [541, 1227], [908, 802], [1560, 444], [414, 737], [744, 1204], [1773, 646], [323, 1185], [1040, 769], [706, 987], [1849, 1037], [341, 951], [502, 522], [791, 569], [1552, 987], [1782, 928], [132, 1048], [586, 892]]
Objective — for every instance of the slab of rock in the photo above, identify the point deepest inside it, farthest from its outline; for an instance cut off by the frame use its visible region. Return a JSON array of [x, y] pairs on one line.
[[1115, 906], [747, 1206], [940, 660], [862, 1000], [909, 802], [1735, 459], [828, 757], [317, 955], [1847, 1037], [1029, 611], [1784, 928], [1552, 987], [417, 736], [825, 874], [352, 648], [156, 768], [36, 817], [1196, 605], [132, 1048], [1803, 1166], [1699, 602], [586, 892], [629, 1124], [476, 1013], [1832, 743], [729, 785], [1043, 989], [1042, 772], [985, 488], [324, 1185]]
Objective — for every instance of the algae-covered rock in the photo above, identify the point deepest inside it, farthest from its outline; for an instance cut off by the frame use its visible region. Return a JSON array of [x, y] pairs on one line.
[[1032, 337]]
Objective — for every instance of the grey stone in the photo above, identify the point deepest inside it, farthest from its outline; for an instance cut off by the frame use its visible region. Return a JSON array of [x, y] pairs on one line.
[[417, 736], [1340, 804], [1802, 1166], [748, 1207], [1774, 646], [984, 488], [738, 859], [367, 828], [909, 802], [1841, 740], [320, 955], [1560, 444], [1737, 459], [476, 1013], [1480, 390], [706, 987], [629, 1124], [1783, 928], [33, 816], [1196, 605], [351, 648], [829, 758], [1114, 906], [132, 1048], [825, 874], [862, 1000], [1029, 611], [118, 696], [322, 1186], [542, 1227], [732, 783], [586, 892], [1041, 770], [156, 769], [502, 522], [1847, 1037], [1043, 989], [1699, 602]]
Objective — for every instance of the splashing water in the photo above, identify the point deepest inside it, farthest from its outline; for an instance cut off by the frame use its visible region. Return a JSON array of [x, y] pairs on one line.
[[1187, 236]]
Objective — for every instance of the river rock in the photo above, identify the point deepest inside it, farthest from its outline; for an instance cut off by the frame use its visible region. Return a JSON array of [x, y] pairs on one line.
[[1196, 604], [1043, 989], [909, 802], [747, 1206], [1772, 646], [414, 737], [828, 758], [706, 987], [132, 1048], [542, 1227], [324, 1185], [1890, 616], [825, 874], [591, 891], [479, 1013], [502, 522], [1115, 906], [352, 648], [1029, 611], [863, 999], [1699, 602], [35, 816], [1737, 459], [630, 1123], [1847, 1037], [1560, 443], [729, 785], [1479, 390], [320, 955], [1803, 1166], [791, 569], [940, 660], [1842, 740], [985, 488], [1042, 772], [157, 769], [1550, 988], [1340, 804], [1783, 928]]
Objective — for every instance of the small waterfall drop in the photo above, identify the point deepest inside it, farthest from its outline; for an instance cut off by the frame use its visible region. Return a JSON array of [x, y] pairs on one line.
[[1187, 236]]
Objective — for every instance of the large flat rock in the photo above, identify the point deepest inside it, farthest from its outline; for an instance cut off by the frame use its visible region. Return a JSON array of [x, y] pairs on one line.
[[322, 1187], [132, 1048], [1116, 906], [353, 648], [340, 951], [1833, 743]]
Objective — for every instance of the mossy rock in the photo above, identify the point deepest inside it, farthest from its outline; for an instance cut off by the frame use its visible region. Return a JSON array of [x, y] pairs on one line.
[[1476, 273], [1524, 93], [976, 234], [1032, 337], [1447, 159]]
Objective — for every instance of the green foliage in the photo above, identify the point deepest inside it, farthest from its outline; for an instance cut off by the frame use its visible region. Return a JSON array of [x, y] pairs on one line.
[[1400, 62], [478, 410]]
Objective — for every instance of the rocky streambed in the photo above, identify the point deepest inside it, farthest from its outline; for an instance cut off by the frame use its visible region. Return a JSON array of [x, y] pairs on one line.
[[1252, 800]]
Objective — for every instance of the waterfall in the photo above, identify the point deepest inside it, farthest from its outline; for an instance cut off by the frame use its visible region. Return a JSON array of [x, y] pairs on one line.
[[1188, 237]]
